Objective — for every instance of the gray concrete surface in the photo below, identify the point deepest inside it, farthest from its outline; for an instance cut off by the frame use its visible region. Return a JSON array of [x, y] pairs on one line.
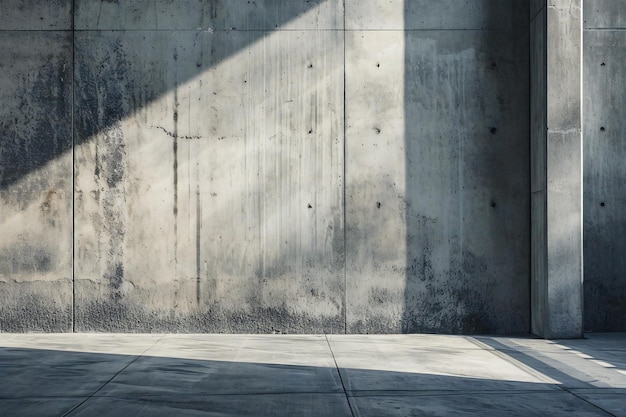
[[324, 375], [437, 202], [556, 179], [209, 180], [300, 166], [209, 167], [35, 173], [604, 172]]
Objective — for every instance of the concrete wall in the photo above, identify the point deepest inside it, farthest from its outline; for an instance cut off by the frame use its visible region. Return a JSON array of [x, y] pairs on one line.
[[35, 166], [265, 166], [604, 168], [209, 166], [437, 204]]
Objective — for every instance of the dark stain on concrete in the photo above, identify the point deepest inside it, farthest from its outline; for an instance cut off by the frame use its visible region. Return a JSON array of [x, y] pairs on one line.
[[108, 316], [22, 310], [104, 97], [38, 130], [175, 173], [26, 257], [115, 278], [381, 295], [198, 236], [113, 159]]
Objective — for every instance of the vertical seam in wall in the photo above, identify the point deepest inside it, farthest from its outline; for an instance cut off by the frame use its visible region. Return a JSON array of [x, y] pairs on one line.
[[73, 116], [582, 166], [530, 176], [545, 318], [345, 180]]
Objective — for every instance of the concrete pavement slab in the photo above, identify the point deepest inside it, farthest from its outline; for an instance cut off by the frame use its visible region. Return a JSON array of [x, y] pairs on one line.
[[172, 376], [38, 407], [123, 344], [463, 365], [230, 364], [554, 404], [324, 375], [572, 363], [611, 400], [278, 405]]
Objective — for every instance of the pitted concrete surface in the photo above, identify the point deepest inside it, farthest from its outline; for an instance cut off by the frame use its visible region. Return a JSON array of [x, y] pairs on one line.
[[334, 375]]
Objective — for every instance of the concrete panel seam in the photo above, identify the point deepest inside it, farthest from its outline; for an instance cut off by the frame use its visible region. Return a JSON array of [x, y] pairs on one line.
[[73, 169], [209, 30], [438, 30], [344, 162]]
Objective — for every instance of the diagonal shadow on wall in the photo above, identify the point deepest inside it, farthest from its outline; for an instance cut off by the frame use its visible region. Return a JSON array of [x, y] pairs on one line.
[[45, 97], [139, 65], [131, 61]]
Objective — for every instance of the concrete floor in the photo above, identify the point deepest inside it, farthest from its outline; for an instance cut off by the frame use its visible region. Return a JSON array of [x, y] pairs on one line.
[[335, 375]]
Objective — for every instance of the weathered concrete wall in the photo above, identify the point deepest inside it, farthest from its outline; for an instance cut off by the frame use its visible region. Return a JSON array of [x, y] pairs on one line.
[[209, 164], [209, 171], [35, 166], [556, 179], [437, 202], [604, 168]]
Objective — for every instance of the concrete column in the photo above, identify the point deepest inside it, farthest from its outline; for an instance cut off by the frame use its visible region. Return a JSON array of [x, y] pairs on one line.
[[556, 179]]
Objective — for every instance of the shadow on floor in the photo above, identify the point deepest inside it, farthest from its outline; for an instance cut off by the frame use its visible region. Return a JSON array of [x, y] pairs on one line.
[[40, 382]]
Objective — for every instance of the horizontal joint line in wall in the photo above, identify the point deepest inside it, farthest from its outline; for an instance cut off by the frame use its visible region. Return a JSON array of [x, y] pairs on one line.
[[277, 30], [211, 30], [36, 30], [436, 30]]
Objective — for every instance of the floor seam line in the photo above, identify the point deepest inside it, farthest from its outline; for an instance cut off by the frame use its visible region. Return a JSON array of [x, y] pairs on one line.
[[529, 370], [343, 385], [588, 402], [113, 377]]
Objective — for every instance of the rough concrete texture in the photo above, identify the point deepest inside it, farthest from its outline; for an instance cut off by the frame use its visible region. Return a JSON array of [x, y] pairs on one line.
[[209, 190], [264, 15], [556, 177], [437, 205], [307, 375], [209, 168], [604, 14], [36, 15], [209, 165], [436, 15], [35, 181], [604, 172]]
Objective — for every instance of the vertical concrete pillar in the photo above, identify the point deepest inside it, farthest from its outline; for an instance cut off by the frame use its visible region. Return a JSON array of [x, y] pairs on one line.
[[556, 179]]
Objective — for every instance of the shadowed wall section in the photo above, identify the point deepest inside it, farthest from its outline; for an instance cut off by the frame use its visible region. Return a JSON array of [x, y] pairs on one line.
[[35, 166], [437, 205], [604, 129]]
